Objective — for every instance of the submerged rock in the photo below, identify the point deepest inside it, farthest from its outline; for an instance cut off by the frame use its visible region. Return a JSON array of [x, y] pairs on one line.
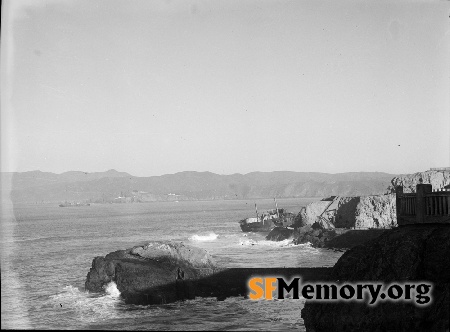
[[411, 253], [150, 273]]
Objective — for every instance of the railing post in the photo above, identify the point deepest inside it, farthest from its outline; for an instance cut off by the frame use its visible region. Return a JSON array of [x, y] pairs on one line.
[[398, 201], [421, 191]]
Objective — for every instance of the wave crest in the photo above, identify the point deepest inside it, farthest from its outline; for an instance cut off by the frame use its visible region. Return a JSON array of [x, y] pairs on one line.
[[268, 243], [204, 238], [88, 307], [111, 290]]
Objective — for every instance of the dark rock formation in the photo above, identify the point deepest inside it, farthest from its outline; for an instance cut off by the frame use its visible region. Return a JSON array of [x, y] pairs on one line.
[[280, 234], [351, 238], [149, 274], [410, 253], [233, 282], [317, 236], [164, 272], [338, 238]]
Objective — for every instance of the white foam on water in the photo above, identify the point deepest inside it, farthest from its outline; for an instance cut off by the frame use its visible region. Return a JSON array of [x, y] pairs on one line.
[[204, 238], [88, 307], [248, 242], [111, 290], [268, 243]]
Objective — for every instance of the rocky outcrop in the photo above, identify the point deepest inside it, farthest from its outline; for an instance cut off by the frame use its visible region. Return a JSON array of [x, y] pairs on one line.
[[351, 212], [148, 274], [164, 272], [280, 234], [346, 212], [309, 214], [375, 212], [411, 253], [337, 238], [438, 179], [316, 236], [350, 238]]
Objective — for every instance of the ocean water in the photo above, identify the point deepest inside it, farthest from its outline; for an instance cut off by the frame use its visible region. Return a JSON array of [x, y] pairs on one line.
[[47, 252]]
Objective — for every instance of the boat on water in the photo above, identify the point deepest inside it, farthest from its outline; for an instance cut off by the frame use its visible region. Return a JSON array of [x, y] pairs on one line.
[[267, 220]]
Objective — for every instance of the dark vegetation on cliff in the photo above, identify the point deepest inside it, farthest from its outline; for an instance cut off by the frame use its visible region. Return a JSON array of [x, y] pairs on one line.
[[39, 186]]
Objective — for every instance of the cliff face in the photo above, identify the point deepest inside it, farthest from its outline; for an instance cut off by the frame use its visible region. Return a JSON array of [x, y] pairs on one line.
[[376, 212], [414, 253], [352, 212], [308, 215], [438, 179]]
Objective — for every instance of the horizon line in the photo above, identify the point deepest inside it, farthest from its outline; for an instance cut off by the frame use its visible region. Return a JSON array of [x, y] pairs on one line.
[[236, 173]]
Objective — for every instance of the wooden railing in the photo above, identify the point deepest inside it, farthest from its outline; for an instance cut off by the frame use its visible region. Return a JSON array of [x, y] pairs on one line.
[[423, 206], [407, 205], [437, 204]]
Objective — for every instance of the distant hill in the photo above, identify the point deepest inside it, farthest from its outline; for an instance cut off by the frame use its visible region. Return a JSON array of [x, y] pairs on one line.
[[110, 186]]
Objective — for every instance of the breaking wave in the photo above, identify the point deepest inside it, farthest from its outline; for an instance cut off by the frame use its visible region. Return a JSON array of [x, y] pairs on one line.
[[284, 243], [204, 238], [87, 306], [111, 290]]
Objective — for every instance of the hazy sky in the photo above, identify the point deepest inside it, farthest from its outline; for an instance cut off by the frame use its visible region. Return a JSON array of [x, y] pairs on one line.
[[157, 87]]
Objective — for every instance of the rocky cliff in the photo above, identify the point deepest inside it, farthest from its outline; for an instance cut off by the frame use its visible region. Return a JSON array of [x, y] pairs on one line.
[[438, 179], [352, 212], [147, 274], [376, 212], [411, 253]]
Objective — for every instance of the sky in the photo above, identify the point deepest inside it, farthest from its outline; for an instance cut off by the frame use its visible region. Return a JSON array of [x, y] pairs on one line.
[[158, 87]]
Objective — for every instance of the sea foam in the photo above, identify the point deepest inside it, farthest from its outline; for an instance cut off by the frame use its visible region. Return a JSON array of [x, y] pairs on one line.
[[111, 289], [268, 243], [87, 306], [204, 238]]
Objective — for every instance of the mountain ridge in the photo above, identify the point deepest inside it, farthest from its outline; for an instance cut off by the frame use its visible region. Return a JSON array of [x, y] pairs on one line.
[[37, 186]]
